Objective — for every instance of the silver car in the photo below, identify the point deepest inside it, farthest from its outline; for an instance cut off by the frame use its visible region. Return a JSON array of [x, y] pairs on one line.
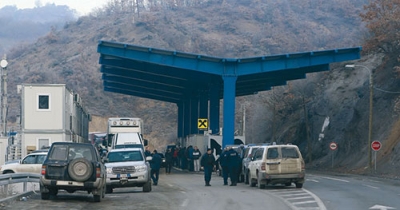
[[127, 167]]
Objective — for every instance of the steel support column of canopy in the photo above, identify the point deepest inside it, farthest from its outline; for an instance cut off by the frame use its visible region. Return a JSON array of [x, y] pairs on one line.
[[194, 114], [229, 110], [181, 120], [186, 118], [203, 108], [214, 108]]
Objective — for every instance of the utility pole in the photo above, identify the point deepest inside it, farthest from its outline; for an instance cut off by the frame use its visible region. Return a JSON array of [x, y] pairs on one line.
[[3, 73], [307, 132]]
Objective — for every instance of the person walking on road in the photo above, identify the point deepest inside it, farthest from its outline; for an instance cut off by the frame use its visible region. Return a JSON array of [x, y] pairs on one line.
[[223, 160], [169, 161], [233, 165], [196, 159], [208, 163], [155, 165]]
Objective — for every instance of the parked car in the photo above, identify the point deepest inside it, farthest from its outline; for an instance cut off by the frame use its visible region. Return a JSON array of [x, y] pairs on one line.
[[277, 164], [248, 153], [128, 167], [163, 161], [32, 163], [73, 167]]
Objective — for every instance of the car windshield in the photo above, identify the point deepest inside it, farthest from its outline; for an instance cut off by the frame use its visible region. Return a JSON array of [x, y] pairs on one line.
[[288, 152], [70, 152], [124, 156]]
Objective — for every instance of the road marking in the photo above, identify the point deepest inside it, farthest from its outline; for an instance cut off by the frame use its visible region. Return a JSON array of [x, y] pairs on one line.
[[381, 207], [303, 202], [185, 203], [317, 199], [170, 185], [183, 192], [335, 179], [312, 180], [292, 194], [299, 198], [371, 186]]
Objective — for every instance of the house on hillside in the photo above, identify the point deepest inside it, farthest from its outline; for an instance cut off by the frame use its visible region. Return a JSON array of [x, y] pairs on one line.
[[50, 113]]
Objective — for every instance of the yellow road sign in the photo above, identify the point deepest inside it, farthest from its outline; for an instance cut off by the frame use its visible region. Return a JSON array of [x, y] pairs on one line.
[[202, 123]]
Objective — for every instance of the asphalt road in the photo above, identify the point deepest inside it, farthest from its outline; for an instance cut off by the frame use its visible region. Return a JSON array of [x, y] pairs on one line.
[[182, 190]]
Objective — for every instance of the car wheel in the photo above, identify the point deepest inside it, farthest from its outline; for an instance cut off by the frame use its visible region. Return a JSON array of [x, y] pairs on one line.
[[103, 192], [53, 192], [80, 169], [109, 189], [288, 184], [252, 181], [97, 198], [259, 180], [8, 172], [299, 185], [246, 178], [147, 187], [45, 196]]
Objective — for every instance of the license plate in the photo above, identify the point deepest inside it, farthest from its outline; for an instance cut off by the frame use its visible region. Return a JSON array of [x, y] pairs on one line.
[[273, 167], [69, 183]]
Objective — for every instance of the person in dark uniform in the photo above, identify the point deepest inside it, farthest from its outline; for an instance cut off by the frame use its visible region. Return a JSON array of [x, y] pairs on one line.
[[169, 160], [208, 163], [155, 165], [233, 165], [223, 159]]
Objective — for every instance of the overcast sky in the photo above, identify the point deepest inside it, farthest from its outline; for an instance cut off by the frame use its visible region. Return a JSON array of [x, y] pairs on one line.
[[82, 6]]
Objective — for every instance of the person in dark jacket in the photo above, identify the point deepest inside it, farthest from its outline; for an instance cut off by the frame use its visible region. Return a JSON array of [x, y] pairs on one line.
[[223, 160], [183, 158], [169, 160], [147, 152], [208, 163], [189, 154], [233, 165], [155, 165]]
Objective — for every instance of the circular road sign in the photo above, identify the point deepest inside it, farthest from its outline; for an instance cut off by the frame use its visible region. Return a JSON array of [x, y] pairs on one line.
[[376, 145], [333, 146]]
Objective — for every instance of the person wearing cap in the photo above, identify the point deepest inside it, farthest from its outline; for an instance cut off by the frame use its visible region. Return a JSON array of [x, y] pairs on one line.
[[208, 163]]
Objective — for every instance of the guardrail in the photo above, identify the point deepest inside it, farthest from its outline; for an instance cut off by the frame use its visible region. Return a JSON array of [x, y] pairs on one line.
[[13, 178]]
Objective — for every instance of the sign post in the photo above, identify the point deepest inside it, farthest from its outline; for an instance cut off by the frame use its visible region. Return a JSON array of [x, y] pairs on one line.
[[376, 146], [333, 146]]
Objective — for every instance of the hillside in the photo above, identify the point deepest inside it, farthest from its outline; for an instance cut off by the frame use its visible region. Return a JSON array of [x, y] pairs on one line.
[[234, 28], [22, 26]]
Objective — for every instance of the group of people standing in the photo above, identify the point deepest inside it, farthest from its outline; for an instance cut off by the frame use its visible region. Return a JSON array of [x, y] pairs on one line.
[[229, 161], [186, 158]]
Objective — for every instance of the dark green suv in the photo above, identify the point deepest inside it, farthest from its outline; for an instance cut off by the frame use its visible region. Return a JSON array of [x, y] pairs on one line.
[[73, 167]]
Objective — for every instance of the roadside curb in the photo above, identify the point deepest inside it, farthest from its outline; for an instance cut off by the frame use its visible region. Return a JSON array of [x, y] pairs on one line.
[[6, 201]]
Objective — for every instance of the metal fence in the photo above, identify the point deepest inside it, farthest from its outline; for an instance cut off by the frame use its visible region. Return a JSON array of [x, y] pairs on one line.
[[13, 178]]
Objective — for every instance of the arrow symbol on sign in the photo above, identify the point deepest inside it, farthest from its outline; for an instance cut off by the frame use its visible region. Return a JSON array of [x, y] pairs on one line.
[[381, 207]]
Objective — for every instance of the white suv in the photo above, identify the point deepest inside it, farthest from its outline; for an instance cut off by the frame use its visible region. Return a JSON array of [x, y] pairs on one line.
[[32, 163], [277, 164], [127, 167]]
